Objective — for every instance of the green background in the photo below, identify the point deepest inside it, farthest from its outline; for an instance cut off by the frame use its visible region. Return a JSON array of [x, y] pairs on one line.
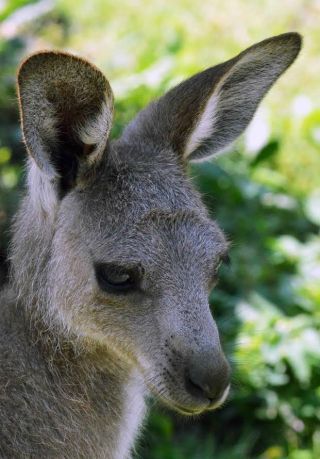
[[265, 194]]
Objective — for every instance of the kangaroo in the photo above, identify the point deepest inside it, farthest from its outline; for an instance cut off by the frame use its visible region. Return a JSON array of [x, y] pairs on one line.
[[113, 255]]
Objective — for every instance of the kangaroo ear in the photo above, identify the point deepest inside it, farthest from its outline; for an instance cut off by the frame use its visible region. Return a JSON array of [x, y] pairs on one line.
[[66, 107], [207, 112]]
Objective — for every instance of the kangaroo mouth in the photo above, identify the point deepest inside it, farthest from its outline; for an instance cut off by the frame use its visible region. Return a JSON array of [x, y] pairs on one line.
[[189, 410], [211, 406], [191, 405], [186, 410], [220, 401]]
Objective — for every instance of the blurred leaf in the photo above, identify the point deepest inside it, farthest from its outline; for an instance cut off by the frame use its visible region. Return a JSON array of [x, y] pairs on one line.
[[312, 207], [311, 127], [266, 153], [11, 6], [5, 155]]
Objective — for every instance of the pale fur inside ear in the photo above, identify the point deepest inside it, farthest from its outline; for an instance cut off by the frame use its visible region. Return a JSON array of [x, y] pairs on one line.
[[204, 126], [95, 131], [42, 186], [42, 191], [235, 98]]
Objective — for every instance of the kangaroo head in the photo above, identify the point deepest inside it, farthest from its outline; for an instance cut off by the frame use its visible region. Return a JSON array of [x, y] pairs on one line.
[[130, 253]]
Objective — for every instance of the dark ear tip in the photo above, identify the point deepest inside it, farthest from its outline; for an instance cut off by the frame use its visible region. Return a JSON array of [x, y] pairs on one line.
[[286, 44], [56, 60], [43, 69], [40, 57], [293, 40]]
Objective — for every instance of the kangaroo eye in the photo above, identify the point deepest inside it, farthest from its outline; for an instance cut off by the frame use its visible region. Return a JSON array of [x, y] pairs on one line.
[[116, 279]]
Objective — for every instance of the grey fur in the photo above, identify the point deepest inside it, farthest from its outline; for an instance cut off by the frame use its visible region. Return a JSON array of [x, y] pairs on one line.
[[77, 362]]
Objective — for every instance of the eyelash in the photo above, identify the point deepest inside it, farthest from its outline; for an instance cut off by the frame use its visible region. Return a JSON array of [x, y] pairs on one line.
[[224, 260]]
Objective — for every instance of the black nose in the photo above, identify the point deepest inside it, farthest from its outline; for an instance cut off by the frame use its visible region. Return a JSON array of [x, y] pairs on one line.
[[208, 377]]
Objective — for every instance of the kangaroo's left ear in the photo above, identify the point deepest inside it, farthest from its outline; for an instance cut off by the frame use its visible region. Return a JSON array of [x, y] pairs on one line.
[[207, 112], [66, 107]]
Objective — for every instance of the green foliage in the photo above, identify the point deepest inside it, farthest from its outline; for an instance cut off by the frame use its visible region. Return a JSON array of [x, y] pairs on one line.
[[268, 304], [267, 199], [13, 6]]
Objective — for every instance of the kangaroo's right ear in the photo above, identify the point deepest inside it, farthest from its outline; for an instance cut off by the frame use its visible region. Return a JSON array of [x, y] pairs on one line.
[[66, 107], [206, 113]]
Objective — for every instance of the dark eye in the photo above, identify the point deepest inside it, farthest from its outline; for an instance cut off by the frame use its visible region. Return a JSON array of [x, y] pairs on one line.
[[116, 279]]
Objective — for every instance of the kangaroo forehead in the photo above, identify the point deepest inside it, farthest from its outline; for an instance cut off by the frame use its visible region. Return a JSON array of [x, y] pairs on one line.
[[183, 224], [141, 186], [181, 217], [161, 236]]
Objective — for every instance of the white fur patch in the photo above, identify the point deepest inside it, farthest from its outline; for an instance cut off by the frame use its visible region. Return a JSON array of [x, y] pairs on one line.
[[132, 416], [41, 190], [204, 126]]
